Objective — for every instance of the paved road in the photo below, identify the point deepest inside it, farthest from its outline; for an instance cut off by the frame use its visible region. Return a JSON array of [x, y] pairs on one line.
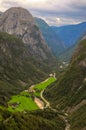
[[44, 100]]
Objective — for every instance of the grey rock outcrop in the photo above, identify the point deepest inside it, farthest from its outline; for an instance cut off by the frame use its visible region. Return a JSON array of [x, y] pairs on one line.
[[19, 21]]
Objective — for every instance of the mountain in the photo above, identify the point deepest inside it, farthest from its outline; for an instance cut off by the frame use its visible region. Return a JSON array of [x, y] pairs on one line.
[[70, 33], [67, 54], [18, 69], [24, 56], [72, 79], [69, 92], [25, 59], [19, 21], [52, 39]]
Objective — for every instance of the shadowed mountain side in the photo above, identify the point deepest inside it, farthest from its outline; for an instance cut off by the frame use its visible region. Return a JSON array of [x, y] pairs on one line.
[[67, 54], [70, 33], [52, 39], [68, 93]]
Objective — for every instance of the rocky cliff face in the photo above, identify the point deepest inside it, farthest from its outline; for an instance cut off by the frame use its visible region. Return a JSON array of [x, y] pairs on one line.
[[19, 21]]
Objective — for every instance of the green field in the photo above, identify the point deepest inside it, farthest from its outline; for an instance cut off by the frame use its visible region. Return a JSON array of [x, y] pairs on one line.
[[25, 100], [44, 84], [41, 86], [24, 103]]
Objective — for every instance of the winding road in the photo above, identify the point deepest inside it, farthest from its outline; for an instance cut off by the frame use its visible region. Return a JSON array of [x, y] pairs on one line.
[[44, 100]]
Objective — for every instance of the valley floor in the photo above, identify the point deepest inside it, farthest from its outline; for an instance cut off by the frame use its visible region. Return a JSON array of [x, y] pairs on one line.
[[30, 99]]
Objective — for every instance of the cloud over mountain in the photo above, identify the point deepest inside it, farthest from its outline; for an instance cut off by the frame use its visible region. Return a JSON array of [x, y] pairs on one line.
[[55, 12]]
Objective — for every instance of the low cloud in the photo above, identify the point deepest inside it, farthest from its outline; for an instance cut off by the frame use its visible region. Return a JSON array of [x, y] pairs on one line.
[[55, 12]]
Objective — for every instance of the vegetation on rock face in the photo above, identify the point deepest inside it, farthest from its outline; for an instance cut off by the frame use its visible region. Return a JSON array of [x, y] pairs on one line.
[[17, 68], [17, 72], [67, 54], [66, 90], [38, 120], [78, 119], [68, 93]]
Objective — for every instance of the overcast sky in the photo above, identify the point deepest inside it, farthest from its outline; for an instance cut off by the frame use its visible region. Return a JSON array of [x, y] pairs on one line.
[[54, 12]]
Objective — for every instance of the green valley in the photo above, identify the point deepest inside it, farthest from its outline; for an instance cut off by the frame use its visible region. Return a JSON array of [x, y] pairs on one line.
[[39, 88], [25, 100]]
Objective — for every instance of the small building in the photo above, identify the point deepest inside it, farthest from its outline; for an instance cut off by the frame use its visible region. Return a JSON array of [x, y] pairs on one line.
[[61, 66], [26, 90], [51, 75], [31, 89], [15, 104]]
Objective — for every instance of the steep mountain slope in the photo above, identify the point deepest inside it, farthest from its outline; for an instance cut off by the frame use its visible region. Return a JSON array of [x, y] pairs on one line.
[[38, 120], [72, 80], [67, 54], [71, 33], [52, 39], [69, 92], [18, 69], [19, 21]]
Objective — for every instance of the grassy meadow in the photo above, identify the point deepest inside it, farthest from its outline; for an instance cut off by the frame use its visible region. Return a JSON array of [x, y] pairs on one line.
[[44, 84], [24, 103], [25, 100]]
